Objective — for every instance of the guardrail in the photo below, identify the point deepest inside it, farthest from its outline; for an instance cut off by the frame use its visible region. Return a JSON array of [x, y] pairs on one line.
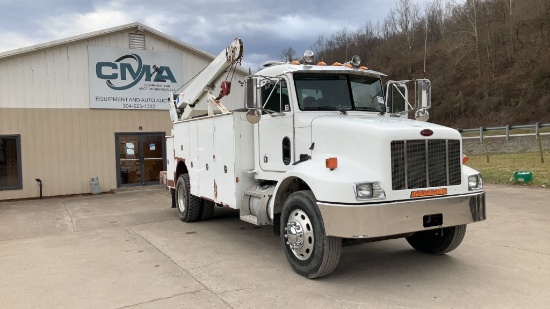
[[537, 126]]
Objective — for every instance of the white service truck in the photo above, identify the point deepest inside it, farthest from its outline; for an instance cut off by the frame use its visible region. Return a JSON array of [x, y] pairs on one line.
[[325, 154]]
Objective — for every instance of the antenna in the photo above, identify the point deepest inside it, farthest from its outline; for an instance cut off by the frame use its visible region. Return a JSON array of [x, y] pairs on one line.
[[347, 39], [425, 45], [323, 48]]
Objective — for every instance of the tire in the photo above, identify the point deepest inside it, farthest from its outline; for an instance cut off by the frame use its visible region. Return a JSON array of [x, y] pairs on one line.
[[188, 205], [438, 241], [314, 254], [207, 210]]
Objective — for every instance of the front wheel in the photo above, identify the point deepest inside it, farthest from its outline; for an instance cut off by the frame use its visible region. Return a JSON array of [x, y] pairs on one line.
[[309, 251], [438, 241]]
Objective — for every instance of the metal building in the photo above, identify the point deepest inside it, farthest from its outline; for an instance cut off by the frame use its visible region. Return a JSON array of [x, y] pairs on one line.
[[93, 106]]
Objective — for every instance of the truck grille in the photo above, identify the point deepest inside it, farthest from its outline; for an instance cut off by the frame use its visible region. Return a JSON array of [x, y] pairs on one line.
[[425, 163]]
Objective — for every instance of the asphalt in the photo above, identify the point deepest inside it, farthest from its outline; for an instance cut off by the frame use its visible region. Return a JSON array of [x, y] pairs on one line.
[[130, 250]]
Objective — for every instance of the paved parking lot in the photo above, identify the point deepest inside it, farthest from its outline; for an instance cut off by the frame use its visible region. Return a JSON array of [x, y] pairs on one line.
[[130, 250]]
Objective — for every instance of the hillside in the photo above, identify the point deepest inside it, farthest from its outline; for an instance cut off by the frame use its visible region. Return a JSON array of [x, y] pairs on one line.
[[489, 60]]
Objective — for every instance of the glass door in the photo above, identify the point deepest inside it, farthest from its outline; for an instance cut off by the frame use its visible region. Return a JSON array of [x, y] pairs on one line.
[[153, 157], [140, 158]]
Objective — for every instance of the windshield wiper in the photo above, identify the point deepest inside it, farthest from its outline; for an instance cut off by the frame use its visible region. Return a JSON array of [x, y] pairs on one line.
[[368, 109], [332, 108]]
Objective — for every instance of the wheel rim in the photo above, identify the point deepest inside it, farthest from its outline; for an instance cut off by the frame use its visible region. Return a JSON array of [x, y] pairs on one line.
[[299, 234], [181, 199]]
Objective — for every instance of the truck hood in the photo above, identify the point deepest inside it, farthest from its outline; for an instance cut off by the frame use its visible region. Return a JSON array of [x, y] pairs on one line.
[[377, 128], [362, 145]]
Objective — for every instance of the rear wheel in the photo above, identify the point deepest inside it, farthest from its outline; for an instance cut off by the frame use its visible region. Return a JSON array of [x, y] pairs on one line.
[[207, 210], [309, 251], [438, 241], [188, 205]]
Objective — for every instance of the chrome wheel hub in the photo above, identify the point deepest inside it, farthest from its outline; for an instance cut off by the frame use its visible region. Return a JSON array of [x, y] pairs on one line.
[[299, 234], [181, 199]]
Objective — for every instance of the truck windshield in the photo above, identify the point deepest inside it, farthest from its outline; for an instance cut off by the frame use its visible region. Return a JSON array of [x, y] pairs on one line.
[[339, 92]]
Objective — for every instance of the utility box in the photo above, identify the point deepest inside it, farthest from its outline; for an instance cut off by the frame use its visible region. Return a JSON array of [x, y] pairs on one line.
[[523, 176], [94, 185]]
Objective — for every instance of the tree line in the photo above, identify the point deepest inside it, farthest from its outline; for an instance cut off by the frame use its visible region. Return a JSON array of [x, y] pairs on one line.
[[489, 60]]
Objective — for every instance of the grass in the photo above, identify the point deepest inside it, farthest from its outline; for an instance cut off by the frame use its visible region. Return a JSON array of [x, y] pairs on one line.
[[501, 167]]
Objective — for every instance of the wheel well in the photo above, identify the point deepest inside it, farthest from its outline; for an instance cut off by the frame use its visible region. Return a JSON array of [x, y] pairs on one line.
[[286, 188], [180, 169]]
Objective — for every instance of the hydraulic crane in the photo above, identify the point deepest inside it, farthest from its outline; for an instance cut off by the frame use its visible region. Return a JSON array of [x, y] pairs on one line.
[[181, 105]]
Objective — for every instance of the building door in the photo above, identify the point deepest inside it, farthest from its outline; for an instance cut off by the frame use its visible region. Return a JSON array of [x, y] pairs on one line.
[[140, 158]]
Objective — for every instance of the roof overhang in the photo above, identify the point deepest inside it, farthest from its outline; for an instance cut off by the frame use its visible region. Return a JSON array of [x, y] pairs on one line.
[[138, 27]]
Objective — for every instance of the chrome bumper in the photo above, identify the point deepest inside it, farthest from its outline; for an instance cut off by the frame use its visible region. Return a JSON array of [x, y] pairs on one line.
[[377, 220]]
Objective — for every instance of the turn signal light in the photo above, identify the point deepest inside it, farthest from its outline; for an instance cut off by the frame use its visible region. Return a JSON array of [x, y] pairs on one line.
[[465, 159], [295, 62], [332, 163]]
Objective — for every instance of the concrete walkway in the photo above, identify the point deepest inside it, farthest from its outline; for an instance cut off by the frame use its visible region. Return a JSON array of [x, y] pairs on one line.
[[130, 250]]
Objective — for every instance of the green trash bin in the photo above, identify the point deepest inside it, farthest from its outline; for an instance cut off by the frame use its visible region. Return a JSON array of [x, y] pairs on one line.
[[523, 176]]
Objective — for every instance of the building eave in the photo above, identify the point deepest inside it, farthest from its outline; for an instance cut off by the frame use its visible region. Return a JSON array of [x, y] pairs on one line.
[[139, 27], [86, 36]]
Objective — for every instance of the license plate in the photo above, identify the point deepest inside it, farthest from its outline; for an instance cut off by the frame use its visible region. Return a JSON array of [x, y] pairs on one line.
[[428, 192]]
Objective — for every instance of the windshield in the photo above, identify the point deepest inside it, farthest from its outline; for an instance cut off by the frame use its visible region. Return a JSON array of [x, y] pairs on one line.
[[341, 92]]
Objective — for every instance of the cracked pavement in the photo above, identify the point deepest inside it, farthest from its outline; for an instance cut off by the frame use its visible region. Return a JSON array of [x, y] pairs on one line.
[[130, 250]]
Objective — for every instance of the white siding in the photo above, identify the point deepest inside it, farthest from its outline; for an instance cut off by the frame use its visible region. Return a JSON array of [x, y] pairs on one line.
[[58, 77]]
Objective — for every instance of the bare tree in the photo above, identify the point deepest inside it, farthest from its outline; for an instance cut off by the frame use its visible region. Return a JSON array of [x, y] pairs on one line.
[[406, 23], [469, 11], [319, 48], [434, 13], [287, 54], [509, 4]]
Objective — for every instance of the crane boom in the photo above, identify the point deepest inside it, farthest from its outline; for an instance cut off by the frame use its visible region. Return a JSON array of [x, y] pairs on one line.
[[204, 82]]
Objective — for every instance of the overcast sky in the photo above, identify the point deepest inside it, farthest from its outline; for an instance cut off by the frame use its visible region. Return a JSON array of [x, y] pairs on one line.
[[266, 27]]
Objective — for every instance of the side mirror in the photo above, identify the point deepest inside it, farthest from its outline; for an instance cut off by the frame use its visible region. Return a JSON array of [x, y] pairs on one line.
[[423, 94], [252, 98]]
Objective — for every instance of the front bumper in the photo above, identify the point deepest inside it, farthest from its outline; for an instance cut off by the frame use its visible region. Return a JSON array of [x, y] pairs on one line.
[[386, 219]]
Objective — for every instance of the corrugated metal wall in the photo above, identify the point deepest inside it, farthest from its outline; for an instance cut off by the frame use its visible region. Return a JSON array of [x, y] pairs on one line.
[[58, 77], [44, 97]]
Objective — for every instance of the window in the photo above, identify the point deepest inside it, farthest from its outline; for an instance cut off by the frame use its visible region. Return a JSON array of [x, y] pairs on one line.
[[323, 92], [367, 94], [332, 92], [276, 94], [10, 162]]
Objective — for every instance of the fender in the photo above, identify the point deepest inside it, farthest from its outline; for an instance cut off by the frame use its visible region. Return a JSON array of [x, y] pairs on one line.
[[327, 185]]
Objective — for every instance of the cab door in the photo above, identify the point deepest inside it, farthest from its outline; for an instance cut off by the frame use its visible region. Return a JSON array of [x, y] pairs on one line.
[[276, 129]]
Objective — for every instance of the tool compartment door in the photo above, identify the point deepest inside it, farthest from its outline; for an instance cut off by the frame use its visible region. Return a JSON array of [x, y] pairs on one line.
[[224, 160], [205, 149]]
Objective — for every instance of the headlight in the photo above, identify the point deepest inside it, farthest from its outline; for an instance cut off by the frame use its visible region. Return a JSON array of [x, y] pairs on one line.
[[475, 182], [369, 190]]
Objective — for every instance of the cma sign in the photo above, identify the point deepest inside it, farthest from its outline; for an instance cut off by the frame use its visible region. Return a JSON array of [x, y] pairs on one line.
[[130, 75]]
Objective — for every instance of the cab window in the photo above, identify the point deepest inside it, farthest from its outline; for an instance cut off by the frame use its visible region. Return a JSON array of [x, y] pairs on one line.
[[275, 95]]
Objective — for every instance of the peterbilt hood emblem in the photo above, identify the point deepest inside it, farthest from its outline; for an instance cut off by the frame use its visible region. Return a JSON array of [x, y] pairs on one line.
[[426, 132]]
